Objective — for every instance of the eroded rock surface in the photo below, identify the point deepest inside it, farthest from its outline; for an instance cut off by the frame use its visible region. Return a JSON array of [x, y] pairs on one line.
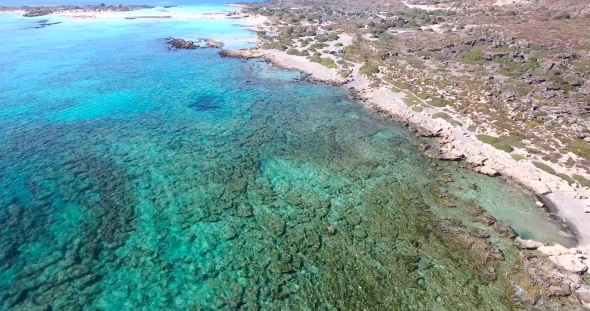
[[182, 44]]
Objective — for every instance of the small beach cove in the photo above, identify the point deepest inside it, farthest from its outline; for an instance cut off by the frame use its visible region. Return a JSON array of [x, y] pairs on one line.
[[139, 177]]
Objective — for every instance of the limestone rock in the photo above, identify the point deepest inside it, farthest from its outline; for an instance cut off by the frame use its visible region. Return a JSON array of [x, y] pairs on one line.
[[554, 250], [570, 262], [583, 294], [486, 170], [476, 160], [538, 187], [527, 244]]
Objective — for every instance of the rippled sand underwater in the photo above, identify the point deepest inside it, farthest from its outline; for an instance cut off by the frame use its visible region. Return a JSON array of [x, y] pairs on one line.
[[135, 178]]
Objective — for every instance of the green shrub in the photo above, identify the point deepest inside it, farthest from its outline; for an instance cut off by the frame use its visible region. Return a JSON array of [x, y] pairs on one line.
[[328, 63], [512, 141], [439, 102], [544, 167], [303, 53], [581, 180], [474, 56], [517, 157], [385, 36], [374, 85], [456, 123], [566, 178], [409, 101], [532, 63], [369, 69], [333, 37], [441, 115], [293, 52], [424, 96], [402, 85], [581, 149], [563, 15], [417, 109], [495, 142], [338, 44], [315, 59], [318, 46], [343, 73], [321, 38]]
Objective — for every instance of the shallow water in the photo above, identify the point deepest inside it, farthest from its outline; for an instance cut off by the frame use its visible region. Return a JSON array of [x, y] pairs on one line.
[[137, 178]]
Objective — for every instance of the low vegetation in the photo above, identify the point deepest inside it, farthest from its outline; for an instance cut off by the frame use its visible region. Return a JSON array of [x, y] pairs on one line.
[[544, 167], [499, 143]]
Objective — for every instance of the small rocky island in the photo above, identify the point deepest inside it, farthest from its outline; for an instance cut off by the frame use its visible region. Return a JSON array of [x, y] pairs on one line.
[[181, 44]]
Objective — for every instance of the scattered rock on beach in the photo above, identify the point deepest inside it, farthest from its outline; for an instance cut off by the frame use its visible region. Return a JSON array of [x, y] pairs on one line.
[[486, 170], [527, 244], [556, 250], [569, 262]]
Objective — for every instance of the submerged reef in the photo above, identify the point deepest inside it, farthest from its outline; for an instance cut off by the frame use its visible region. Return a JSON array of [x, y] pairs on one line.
[[256, 193]]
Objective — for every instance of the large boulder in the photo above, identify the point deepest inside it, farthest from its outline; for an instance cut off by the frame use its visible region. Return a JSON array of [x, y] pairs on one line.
[[182, 44], [527, 244], [570, 262]]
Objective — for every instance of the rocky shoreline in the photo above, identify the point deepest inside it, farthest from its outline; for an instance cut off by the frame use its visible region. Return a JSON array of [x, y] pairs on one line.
[[453, 143], [325, 76], [554, 270]]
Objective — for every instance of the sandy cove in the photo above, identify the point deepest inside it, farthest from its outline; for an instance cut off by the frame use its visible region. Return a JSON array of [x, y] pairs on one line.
[[456, 143]]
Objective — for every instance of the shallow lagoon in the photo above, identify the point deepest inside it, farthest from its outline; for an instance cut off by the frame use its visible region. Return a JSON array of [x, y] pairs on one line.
[[137, 178]]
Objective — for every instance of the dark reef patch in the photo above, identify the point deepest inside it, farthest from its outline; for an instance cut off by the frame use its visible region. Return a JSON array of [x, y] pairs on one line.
[[206, 102]]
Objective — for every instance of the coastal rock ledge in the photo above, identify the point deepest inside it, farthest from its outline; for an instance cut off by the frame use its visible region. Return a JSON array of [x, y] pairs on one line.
[[181, 44], [312, 72]]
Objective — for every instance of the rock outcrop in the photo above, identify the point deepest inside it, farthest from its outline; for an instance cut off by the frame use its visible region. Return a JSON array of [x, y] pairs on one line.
[[311, 75], [182, 44], [554, 271]]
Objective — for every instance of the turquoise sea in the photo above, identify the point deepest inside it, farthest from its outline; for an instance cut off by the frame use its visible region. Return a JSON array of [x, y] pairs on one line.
[[133, 177]]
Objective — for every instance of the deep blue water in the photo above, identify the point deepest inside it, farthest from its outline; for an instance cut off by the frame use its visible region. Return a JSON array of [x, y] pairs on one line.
[[138, 178]]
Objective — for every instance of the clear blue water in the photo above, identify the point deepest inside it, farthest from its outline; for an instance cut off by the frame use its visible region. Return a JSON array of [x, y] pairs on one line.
[[137, 178]]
